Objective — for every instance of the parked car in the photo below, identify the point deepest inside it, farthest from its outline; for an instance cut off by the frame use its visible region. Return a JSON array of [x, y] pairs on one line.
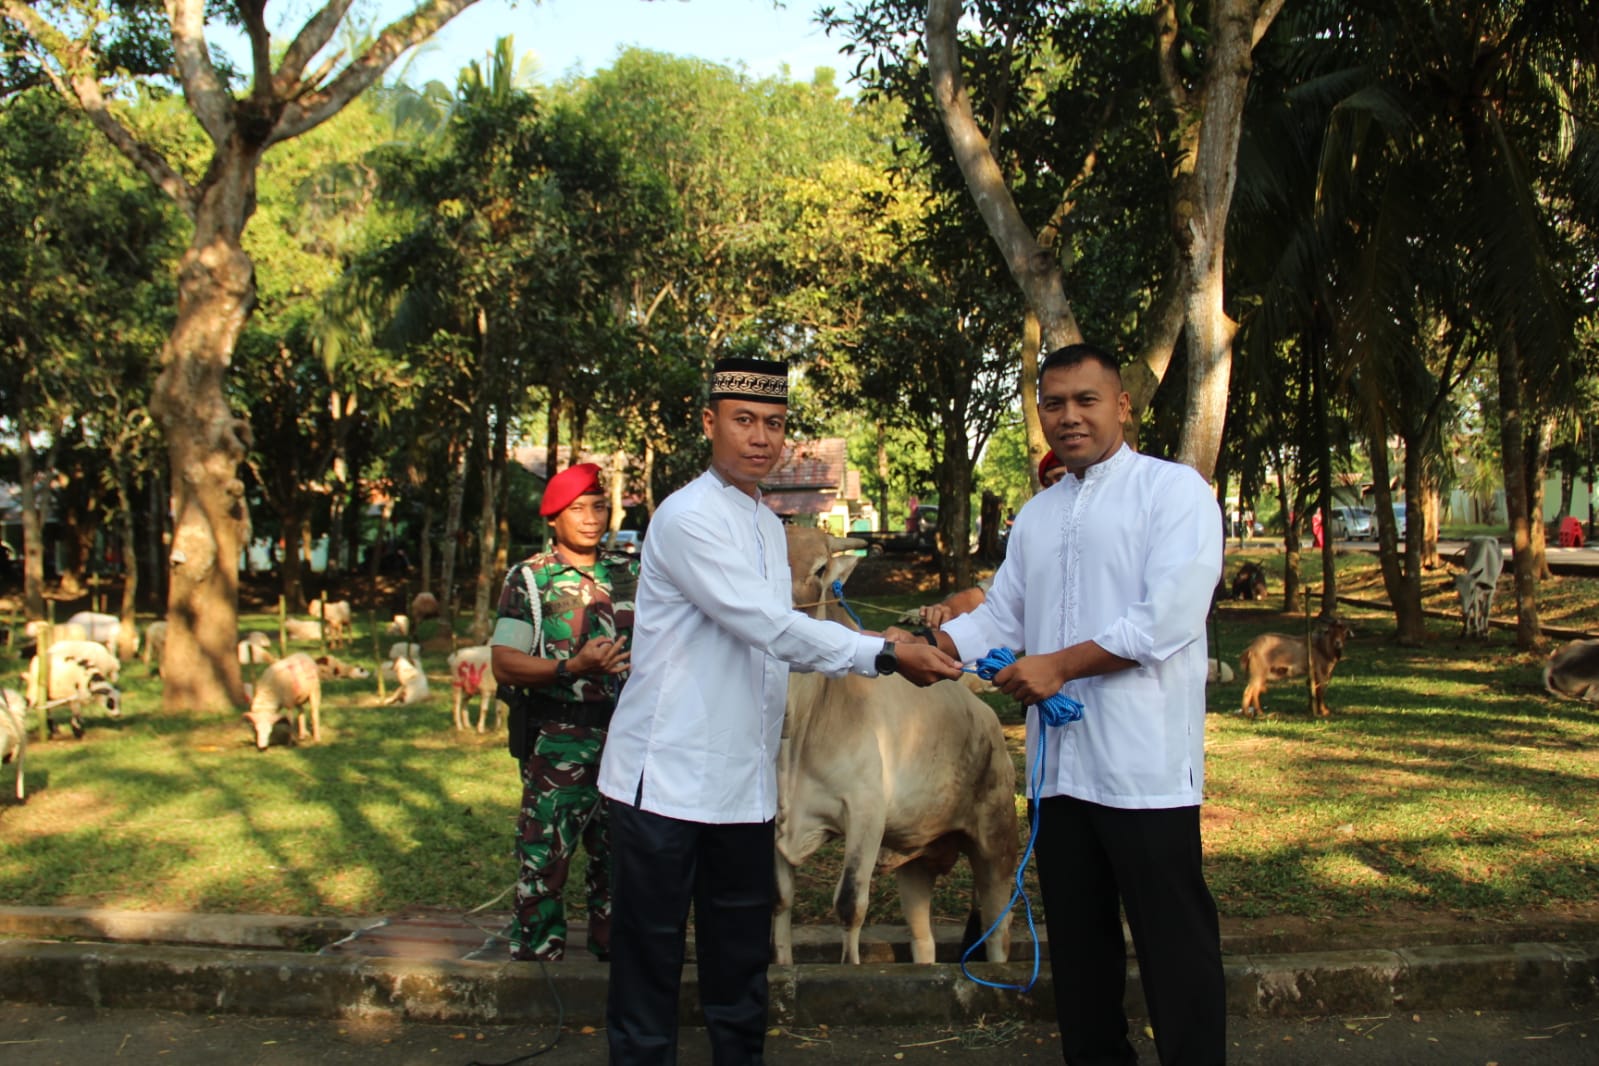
[[1399, 520], [627, 540], [1352, 523]]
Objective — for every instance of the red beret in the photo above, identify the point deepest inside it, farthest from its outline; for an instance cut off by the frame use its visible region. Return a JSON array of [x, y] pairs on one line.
[[1047, 463], [581, 479]]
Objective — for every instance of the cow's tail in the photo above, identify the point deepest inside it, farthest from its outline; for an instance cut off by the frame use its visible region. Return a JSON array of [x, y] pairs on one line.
[[974, 930]]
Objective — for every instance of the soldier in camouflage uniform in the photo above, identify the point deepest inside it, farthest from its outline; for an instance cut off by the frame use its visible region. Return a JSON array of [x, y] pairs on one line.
[[560, 644]]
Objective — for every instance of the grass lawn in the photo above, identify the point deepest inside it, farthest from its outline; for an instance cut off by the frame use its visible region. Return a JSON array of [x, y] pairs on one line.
[[1445, 781]]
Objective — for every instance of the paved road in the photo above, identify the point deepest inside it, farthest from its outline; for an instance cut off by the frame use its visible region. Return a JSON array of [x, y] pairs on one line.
[[47, 1036]]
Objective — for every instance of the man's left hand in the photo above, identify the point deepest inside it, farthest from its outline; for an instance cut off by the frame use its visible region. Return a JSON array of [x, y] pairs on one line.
[[1032, 679], [923, 664]]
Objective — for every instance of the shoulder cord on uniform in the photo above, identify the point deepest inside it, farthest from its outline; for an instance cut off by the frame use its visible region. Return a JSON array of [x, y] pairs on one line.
[[1055, 711]]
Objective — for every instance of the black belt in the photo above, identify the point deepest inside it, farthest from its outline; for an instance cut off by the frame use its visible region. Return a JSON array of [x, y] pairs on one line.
[[593, 715]]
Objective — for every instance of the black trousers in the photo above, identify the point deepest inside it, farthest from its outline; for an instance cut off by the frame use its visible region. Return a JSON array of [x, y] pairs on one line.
[[661, 865], [1089, 858]]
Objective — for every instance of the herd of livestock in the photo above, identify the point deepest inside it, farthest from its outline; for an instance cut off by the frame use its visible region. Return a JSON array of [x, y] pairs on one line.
[[867, 760]]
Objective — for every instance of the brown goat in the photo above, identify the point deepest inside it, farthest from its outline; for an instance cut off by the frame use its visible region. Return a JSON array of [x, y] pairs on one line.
[[1274, 656]]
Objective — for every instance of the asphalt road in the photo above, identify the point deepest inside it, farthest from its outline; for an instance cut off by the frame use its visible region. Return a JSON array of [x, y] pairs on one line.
[[53, 1036]]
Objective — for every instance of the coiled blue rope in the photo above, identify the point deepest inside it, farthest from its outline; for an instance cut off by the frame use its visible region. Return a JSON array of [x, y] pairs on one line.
[[1057, 710]]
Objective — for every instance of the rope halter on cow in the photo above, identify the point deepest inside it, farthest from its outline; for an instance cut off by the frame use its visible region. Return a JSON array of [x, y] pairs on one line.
[[1054, 711]]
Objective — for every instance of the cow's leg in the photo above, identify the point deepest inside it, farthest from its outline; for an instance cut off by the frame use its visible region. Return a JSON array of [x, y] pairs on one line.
[[863, 837], [916, 900], [483, 708], [783, 911], [1251, 703], [992, 881], [457, 711]]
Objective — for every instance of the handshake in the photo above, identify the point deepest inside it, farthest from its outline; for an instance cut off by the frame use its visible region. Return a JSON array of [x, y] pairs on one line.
[[921, 662]]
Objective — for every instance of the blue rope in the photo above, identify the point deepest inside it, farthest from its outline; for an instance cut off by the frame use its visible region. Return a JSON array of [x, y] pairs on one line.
[[838, 594], [1057, 710]]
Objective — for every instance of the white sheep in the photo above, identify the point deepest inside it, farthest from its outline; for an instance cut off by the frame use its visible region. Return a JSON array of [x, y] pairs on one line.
[[14, 733], [59, 631], [97, 657], [155, 644], [332, 668], [290, 683], [411, 684], [336, 616], [399, 626], [302, 629], [74, 684], [104, 629], [402, 650], [472, 674]]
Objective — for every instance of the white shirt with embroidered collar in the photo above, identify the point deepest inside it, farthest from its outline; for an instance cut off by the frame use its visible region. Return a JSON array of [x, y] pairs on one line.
[[1126, 556], [696, 732]]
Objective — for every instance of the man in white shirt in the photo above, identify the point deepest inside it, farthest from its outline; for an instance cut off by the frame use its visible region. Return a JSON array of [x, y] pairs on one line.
[[1106, 583], [691, 758]]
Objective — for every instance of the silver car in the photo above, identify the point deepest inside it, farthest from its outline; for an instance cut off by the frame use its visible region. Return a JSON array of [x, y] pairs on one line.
[[1352, 523]]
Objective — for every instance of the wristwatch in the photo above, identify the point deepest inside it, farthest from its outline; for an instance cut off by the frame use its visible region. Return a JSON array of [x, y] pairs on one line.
[[887, 662], [560, 670]]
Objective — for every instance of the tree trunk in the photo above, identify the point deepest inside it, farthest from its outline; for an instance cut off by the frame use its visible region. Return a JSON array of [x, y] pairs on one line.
[[1429, 494], [1202, 193], [206, 442], [1400, 572], [1032, 345], [488, 526], [649, 478], [1512, 442], [1324, 459], [128, 639], [425, 550], [1291, 519], [157, 535], [452, 523], [34, 503], [290, 577], [1034, 268], [618, 489], [955, 508], [882, 475], [1539, 444]]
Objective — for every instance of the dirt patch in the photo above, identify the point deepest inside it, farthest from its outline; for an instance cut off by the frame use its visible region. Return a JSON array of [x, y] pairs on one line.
[[1406, 926]]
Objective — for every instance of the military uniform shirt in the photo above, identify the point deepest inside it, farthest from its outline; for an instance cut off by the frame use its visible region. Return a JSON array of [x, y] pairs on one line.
[[576, 604]]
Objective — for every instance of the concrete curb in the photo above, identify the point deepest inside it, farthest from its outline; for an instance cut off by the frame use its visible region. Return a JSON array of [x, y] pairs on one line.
[[287, 983]]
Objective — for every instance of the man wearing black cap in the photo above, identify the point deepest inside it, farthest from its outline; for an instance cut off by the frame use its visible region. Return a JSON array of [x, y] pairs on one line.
[[560, 656], [691, 762]]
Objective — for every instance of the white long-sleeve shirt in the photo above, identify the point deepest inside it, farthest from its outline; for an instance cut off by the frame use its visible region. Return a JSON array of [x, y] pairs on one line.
[[696, 731], [1128, 557]]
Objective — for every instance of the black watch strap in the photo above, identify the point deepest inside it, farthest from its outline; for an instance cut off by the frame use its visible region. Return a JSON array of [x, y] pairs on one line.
[[561, 673], [927, 634]]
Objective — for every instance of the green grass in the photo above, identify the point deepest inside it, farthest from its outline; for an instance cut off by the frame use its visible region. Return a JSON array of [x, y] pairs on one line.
[[1445, 781]]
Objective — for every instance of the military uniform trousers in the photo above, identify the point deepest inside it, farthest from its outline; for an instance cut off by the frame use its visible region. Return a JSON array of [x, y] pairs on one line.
[[561, 804]]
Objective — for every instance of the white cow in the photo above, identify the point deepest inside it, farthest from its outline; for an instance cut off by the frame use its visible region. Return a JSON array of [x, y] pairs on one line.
[[910, 778], [1484, 560], [472, 674]]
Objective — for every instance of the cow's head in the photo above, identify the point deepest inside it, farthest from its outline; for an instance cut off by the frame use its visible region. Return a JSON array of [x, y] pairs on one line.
[[814, 564]]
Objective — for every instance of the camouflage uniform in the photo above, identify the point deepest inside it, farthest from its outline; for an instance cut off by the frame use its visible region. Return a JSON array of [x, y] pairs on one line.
[[560, 796]]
